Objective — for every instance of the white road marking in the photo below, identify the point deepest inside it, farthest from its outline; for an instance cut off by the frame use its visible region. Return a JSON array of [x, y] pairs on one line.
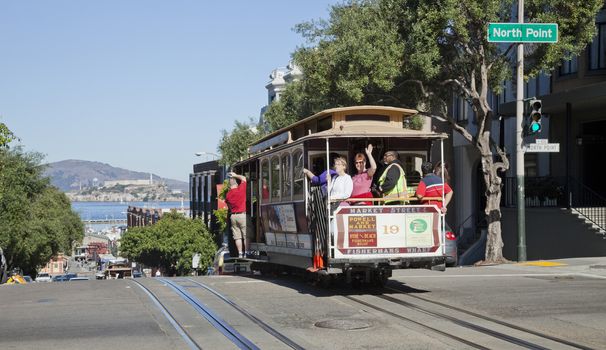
[[508, 275], [244, 282]]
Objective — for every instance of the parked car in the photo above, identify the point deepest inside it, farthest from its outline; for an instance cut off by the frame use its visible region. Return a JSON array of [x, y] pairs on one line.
[[137, 274], [452, 252], [81, 278], [3, 267], [43, 277], [60, 278], [71, 275], [28, 279]]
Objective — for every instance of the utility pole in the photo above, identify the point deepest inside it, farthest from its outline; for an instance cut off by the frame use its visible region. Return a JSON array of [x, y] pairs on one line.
[[519, 140]]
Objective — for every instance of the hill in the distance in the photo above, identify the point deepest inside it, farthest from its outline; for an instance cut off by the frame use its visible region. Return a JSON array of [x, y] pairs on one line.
[[73, 174]]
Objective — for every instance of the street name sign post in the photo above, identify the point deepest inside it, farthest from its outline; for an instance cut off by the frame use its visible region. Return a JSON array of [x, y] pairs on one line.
[[542, 147], [523, 32]]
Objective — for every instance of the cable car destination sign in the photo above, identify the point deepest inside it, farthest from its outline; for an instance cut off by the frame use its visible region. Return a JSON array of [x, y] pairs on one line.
[[523, 32]]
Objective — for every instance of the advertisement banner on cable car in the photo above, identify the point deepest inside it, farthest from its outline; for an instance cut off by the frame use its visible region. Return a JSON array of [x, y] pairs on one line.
[[370, 232]]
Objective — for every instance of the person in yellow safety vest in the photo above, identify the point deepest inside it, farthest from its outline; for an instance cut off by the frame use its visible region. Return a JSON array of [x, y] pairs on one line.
[[392, 183]]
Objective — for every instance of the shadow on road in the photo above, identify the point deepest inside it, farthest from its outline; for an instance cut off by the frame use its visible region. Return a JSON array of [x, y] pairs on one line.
[[302, 284]]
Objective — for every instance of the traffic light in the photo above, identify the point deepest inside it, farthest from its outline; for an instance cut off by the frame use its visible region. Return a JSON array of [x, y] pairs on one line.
[[534, 125]]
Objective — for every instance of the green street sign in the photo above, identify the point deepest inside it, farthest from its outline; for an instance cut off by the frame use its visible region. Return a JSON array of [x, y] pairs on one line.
[[523, 32]]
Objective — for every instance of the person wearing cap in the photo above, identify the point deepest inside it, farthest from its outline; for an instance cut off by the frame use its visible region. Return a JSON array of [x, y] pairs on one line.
[[392, 182], [432, 186], [236, 202]]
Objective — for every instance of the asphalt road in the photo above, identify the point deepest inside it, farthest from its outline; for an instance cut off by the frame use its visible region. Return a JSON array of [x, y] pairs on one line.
[[496, 307]]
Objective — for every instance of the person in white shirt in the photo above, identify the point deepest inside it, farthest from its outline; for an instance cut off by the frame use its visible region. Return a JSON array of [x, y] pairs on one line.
[[341, 186]]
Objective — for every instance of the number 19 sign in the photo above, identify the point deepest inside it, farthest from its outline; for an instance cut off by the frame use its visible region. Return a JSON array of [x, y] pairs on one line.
[[523, 32]]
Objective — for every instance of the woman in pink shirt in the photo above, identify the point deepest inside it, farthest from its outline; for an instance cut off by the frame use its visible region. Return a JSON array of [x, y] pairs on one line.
[[363, 179]]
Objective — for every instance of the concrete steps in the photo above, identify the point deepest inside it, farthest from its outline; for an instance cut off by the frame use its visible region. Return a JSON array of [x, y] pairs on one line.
[[590, 217], [551, 233]]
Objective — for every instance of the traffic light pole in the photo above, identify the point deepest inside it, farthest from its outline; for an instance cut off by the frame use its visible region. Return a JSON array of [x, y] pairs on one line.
[[519, 139]]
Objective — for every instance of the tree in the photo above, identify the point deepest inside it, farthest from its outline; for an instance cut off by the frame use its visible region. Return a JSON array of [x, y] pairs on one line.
[[36, 220], [233, 145], [170, 243], [6, 136], [417, 54]]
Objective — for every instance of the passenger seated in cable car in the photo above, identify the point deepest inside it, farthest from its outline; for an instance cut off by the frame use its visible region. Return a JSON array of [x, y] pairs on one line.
[[321, 180], [264, 189], [340, 186]]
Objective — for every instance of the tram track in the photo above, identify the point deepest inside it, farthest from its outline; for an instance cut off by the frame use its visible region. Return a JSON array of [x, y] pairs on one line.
[[407, 319], [221, 325], [488, 329], [281, 337], [229, 332], [494, 320], [191, 342]]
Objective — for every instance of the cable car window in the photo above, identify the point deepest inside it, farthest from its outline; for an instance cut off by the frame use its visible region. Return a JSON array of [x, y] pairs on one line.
[[265, 181], [286, 177], [297, 161], [275, 179], [364, 117], [325, 123]]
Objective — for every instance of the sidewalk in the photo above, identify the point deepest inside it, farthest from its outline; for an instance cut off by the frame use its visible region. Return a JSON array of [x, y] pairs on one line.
[[594, 267]]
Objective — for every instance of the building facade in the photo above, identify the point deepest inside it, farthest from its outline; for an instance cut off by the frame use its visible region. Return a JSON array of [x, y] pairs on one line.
[[573, 104], [203, 190]]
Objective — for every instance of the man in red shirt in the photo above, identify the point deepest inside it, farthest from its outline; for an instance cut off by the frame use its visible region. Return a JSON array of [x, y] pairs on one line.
[[236, 201], [432, 186]]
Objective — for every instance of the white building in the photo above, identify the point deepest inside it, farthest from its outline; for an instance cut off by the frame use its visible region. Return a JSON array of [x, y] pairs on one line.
[[279, 78]]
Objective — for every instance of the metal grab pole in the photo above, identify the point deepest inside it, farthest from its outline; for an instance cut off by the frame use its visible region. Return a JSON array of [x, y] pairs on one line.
[[519, 140], [443, 215], [328, 183]]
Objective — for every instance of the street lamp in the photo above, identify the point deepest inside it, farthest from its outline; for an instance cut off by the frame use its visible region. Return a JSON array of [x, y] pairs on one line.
[[207, 153], [223, 168]]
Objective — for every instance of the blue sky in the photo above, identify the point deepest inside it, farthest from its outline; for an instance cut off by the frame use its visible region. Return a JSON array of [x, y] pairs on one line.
[[143, 84]]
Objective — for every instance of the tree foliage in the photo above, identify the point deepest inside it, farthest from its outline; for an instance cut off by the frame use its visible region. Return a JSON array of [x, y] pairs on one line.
[[234, 144], [417, 54], [170, 243], [6, 136], [36, 219]]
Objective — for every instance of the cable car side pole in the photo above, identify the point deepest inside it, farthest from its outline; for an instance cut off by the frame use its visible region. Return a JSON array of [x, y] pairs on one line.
[[328, 181], [443, 185]]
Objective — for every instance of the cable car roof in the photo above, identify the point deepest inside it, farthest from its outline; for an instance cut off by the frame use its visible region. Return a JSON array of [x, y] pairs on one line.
[[359, 109]]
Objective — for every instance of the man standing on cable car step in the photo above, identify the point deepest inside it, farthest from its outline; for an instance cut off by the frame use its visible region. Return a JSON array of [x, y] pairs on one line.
[[236, 201]]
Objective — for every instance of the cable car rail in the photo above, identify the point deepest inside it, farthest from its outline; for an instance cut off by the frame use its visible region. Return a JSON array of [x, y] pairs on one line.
[[178, 327], [221, 325], [494, 320], [525, 338], [281, 337]]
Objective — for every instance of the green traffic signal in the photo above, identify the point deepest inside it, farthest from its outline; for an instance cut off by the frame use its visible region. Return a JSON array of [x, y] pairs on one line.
[[535, 116], [535, 127]]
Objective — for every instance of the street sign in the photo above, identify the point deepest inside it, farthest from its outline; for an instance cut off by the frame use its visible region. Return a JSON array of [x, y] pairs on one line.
[[523, 32], [540, 147]]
